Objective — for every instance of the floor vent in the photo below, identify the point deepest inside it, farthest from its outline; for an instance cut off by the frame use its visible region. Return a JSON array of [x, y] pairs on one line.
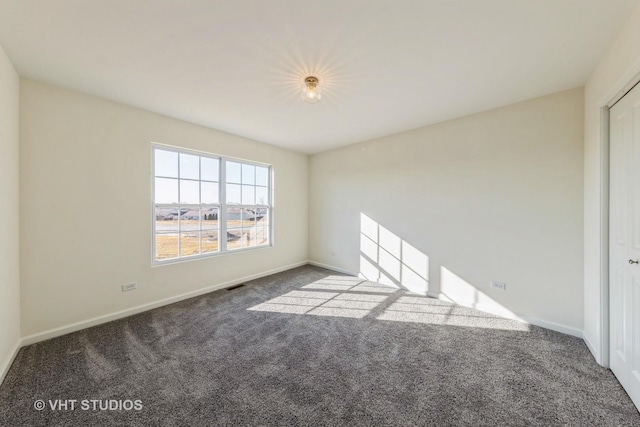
[[235, 287]]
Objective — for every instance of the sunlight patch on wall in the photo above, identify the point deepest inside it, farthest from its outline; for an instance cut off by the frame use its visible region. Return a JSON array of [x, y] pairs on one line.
[[387, 259]]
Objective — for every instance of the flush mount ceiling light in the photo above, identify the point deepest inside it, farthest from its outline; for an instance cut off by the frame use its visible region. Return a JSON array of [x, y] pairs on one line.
[[311, 90]]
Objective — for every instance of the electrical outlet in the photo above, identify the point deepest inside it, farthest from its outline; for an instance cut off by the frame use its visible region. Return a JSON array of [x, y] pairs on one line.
[[498, 285], [129, 287]]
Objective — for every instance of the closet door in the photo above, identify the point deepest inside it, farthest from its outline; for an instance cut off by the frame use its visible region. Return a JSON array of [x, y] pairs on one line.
[[624, 244]]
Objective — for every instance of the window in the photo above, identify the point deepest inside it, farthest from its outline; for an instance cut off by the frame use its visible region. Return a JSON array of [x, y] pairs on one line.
[[205, 205]]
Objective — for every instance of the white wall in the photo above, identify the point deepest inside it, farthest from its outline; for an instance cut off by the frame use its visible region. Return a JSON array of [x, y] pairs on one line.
[[620, 64], [86, 208], [9, 219], [492, 196]]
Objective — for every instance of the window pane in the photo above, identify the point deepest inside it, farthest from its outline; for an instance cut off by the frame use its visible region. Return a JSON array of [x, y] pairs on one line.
[[190, 219], [209, 241], [262, 217], [189, 192], [262, 176], [234, 239], [234, 218], [262, 236], [250, 237], [210, 169], [248, 217], [209, 218], [166, 190], [233, 194], [189, 166], [166, 246], [166, 220], [262, 196], [190, 243], [248, 195], [233, 172], [248, 174], [209, 192], [166, 163]]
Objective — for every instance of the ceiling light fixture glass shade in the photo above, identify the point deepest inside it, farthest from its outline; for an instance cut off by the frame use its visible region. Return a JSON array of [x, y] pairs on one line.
[[311, 90]]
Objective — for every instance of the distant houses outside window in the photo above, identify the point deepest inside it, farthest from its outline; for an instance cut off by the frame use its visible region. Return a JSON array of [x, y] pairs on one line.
[[205, 205]]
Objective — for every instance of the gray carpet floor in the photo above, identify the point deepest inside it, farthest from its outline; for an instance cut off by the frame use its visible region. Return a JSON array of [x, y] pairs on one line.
[[311, 347]]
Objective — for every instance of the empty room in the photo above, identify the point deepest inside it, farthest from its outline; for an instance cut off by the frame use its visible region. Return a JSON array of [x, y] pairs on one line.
[[339, 213]]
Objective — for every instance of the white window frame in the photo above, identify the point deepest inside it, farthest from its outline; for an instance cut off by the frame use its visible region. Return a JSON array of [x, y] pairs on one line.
[[221, 205]]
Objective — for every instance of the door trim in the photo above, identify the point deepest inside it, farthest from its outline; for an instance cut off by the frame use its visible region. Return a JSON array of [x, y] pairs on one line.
[[604, 234]]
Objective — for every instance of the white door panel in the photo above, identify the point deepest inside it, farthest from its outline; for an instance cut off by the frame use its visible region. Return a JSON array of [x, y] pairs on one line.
[[624, 244]]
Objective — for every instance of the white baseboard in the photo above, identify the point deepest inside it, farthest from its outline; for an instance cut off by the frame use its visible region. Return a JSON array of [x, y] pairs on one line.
[[6, 365], [331, 267], [591, 348], [553, 326], [67, 329]]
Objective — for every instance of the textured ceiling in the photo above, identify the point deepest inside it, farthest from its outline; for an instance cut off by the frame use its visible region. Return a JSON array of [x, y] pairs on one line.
[[386, 66]]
